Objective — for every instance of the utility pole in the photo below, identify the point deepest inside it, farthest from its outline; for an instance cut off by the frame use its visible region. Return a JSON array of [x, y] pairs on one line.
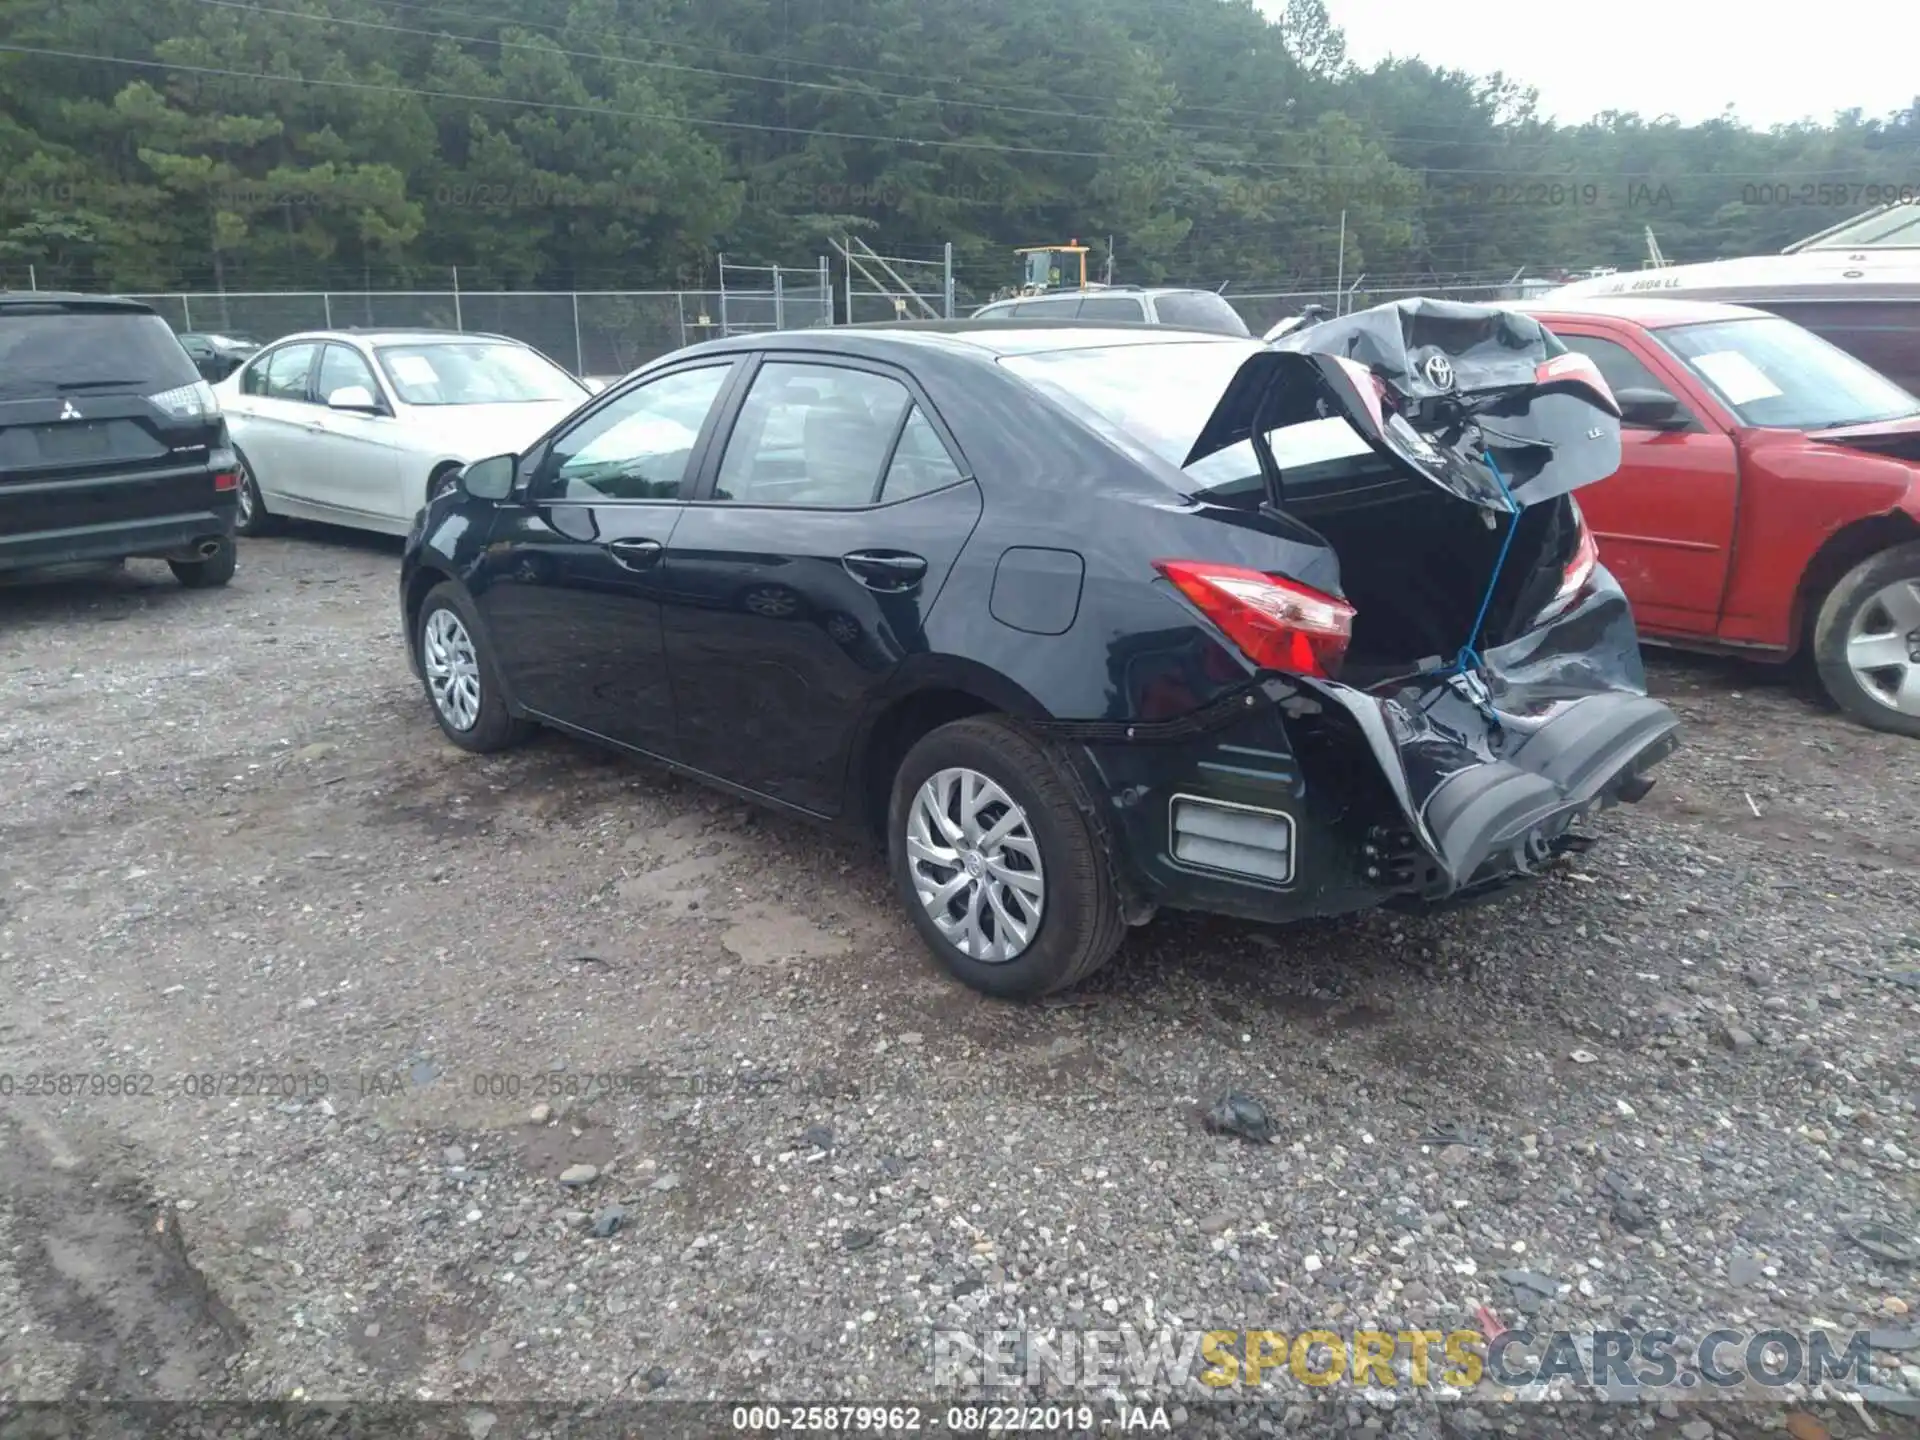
[[1340, 284]]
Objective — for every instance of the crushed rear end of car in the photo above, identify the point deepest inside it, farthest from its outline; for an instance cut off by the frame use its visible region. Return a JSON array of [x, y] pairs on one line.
[[1436, 722]]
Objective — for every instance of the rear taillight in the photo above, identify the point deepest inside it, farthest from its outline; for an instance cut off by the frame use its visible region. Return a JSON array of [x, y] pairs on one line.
[[1578, 571], [226, 480], [1574, 368], [1277, 624], [1373, 390], [189, 402]]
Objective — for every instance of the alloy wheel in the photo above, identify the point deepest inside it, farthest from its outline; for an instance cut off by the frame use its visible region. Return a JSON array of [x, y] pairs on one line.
[[1883, 646], [453, 669], [975, 865], [246, 495]]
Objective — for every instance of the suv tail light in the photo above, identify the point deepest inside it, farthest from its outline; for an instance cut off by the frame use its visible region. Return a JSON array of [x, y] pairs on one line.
[[1277, 624], [189, 402]]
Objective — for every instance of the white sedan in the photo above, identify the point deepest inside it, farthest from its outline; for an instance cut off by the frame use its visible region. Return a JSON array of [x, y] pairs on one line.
[[360, 427]]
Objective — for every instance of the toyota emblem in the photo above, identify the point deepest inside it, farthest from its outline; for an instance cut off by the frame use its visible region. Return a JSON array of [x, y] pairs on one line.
[[1439, 372]]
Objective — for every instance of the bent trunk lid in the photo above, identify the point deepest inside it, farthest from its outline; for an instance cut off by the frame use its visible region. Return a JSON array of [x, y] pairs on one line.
[[1489, 406], [1437, 388]]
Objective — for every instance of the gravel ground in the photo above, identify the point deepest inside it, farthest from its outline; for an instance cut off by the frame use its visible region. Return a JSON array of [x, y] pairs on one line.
[[236, 856]]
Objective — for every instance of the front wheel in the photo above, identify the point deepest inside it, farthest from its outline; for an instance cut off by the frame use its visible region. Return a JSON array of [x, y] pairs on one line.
[[1866, 641], [216, 569], [462, 682], [1006, 878]]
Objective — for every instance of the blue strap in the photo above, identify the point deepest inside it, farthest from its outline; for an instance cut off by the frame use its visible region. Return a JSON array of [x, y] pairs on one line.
[[1468, 660]]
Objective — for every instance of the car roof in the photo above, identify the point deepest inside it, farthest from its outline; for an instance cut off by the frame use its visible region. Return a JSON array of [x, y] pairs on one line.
[[1648, 313], [399, 336], [976, 338], [1096, 291]]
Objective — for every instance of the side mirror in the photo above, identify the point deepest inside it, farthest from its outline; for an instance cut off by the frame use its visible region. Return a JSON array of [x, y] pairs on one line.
[[490, 479], [354, 397], [1652, 409]]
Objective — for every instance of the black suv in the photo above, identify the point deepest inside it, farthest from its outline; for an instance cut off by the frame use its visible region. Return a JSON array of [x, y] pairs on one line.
[[111, 444], [218, 356]]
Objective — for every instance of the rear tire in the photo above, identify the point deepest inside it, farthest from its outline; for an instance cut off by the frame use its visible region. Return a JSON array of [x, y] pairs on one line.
[[461, 680], [1871, 614], [1070, 883], [206, 574], [253, 518]]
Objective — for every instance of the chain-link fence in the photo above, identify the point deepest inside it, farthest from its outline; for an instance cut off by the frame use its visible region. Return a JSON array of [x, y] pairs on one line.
[[1263, 310], [893, 287], [773, 297], [606, 332], [611, 332]]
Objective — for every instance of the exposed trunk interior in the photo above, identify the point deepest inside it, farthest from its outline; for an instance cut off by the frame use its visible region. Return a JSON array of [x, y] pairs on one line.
[[1415, 562]]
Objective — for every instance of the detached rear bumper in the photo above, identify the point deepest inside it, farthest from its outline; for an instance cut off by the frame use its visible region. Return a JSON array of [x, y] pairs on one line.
[[1502, 816], [1289, 809]]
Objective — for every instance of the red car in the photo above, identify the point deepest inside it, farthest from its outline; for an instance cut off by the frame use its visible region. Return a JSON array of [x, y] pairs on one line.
[[1768, 496]]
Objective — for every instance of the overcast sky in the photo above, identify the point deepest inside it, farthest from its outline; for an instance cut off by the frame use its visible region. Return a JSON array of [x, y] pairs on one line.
[[1689, 58]]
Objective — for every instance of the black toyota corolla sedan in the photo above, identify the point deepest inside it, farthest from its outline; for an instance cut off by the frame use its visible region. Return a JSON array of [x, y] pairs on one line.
[[1077, 622]]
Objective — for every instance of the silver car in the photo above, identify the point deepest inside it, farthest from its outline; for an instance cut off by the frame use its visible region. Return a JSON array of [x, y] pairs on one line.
[[361, 427], [1124, 305]]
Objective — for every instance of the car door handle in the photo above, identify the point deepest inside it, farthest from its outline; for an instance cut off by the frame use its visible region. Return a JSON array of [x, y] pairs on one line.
[[885, 569], [635, 554]]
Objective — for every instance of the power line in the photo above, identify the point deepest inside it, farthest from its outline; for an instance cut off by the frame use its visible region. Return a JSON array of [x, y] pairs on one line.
[[563, 107], [908, 142], [1181, 104], [670, 65], [785, 59], [857, 92], [224, 73]]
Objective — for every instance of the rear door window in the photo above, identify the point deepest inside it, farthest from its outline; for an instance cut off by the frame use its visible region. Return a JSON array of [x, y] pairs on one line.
[[283, 374], [1200, 312], [57, 350], [1111, 307], [813, 435], [1054, 307], [920, 461]]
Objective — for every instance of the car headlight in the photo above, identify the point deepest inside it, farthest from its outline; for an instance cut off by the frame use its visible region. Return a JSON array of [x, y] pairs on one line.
[[189, 402]]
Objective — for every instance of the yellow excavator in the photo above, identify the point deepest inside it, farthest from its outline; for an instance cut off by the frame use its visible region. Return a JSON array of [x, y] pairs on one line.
[[1051, 267]]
